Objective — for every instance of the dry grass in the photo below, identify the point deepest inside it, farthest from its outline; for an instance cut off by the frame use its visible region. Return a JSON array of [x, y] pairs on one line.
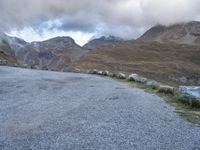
[[151, 59]]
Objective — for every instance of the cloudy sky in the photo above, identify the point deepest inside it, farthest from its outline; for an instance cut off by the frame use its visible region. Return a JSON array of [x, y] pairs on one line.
[[35, 20]]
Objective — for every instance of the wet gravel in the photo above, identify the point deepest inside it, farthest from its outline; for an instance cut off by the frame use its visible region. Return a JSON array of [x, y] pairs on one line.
[[51, 110]]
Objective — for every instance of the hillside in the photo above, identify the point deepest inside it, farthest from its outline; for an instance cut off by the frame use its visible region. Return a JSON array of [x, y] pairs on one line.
[[164, 53], [157, 55], [53, 54], [185, 33]]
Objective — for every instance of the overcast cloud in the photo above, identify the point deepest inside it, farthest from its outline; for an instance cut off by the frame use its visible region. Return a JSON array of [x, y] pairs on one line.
[[124, 18]]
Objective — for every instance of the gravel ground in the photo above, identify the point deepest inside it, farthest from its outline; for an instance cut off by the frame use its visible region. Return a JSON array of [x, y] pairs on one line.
[[51, 110]]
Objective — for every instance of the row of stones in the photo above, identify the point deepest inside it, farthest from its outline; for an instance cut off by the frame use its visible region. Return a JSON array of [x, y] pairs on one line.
[[189, 92]]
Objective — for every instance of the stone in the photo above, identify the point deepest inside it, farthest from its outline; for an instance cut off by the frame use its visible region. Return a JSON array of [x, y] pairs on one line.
[[137, 78], [166, 89], [93, 71], [106, 73], [152, 83], [121, 76], [77, 70], [191, 92], [100, 72]]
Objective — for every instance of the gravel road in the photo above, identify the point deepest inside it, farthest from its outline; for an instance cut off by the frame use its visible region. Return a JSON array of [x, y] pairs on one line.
[[50, 110]]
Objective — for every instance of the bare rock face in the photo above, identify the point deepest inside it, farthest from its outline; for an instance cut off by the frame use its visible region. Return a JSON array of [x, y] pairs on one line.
[[185, 33], [57, 53], [54, 54], [6, 52]]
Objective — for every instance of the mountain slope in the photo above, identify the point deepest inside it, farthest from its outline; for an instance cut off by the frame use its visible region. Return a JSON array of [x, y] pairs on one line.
[[185, 33], [56, 53], [157, 55], [6, 52], [53, 54]]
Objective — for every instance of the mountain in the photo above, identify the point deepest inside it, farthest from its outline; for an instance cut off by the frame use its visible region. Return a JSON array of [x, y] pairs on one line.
[[6, 52], [185, 33], [53, 54], [57, 53], [163, 53], [95, 43], [169, 54]]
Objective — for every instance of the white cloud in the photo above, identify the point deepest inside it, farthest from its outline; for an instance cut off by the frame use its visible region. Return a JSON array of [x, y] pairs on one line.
[[126, 18], [31, 35]]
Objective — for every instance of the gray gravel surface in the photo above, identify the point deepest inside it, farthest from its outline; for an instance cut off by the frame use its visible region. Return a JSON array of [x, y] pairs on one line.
[[51, 110]]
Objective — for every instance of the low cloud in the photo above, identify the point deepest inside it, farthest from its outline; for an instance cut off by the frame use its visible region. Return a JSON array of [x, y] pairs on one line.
[[124, 18]]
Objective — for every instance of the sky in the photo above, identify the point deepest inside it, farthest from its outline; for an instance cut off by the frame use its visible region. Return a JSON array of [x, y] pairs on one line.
[[36, 20]]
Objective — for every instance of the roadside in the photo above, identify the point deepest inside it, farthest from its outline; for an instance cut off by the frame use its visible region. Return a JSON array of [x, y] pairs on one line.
[[188, 109]]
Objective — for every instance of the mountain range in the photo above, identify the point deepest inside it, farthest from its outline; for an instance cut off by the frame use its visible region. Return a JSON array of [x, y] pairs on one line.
[[165, 53]]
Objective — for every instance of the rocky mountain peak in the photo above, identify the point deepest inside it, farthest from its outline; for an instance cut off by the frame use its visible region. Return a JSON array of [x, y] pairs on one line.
[[103, 40], [183, 33]]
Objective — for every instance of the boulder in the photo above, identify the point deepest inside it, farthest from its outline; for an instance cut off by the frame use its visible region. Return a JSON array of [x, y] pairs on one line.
[[137, 78], [3, 62], [121, 76], [100, 72], [77, 70], [191, 92], [93, 71], [152, 83], [106, 73], [166, 89]]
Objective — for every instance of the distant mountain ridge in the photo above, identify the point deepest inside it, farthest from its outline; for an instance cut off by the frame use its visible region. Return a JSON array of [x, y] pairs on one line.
[[103, 40], [184, 33], [53, 54], [161, 53]]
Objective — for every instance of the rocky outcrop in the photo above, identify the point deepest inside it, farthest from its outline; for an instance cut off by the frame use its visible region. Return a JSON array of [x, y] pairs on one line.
[[6, 52]]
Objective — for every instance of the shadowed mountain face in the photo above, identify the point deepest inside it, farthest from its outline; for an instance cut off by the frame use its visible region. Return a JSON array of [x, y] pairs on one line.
[[54, 54], [57, 53], [187, 33], [6, 52]]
